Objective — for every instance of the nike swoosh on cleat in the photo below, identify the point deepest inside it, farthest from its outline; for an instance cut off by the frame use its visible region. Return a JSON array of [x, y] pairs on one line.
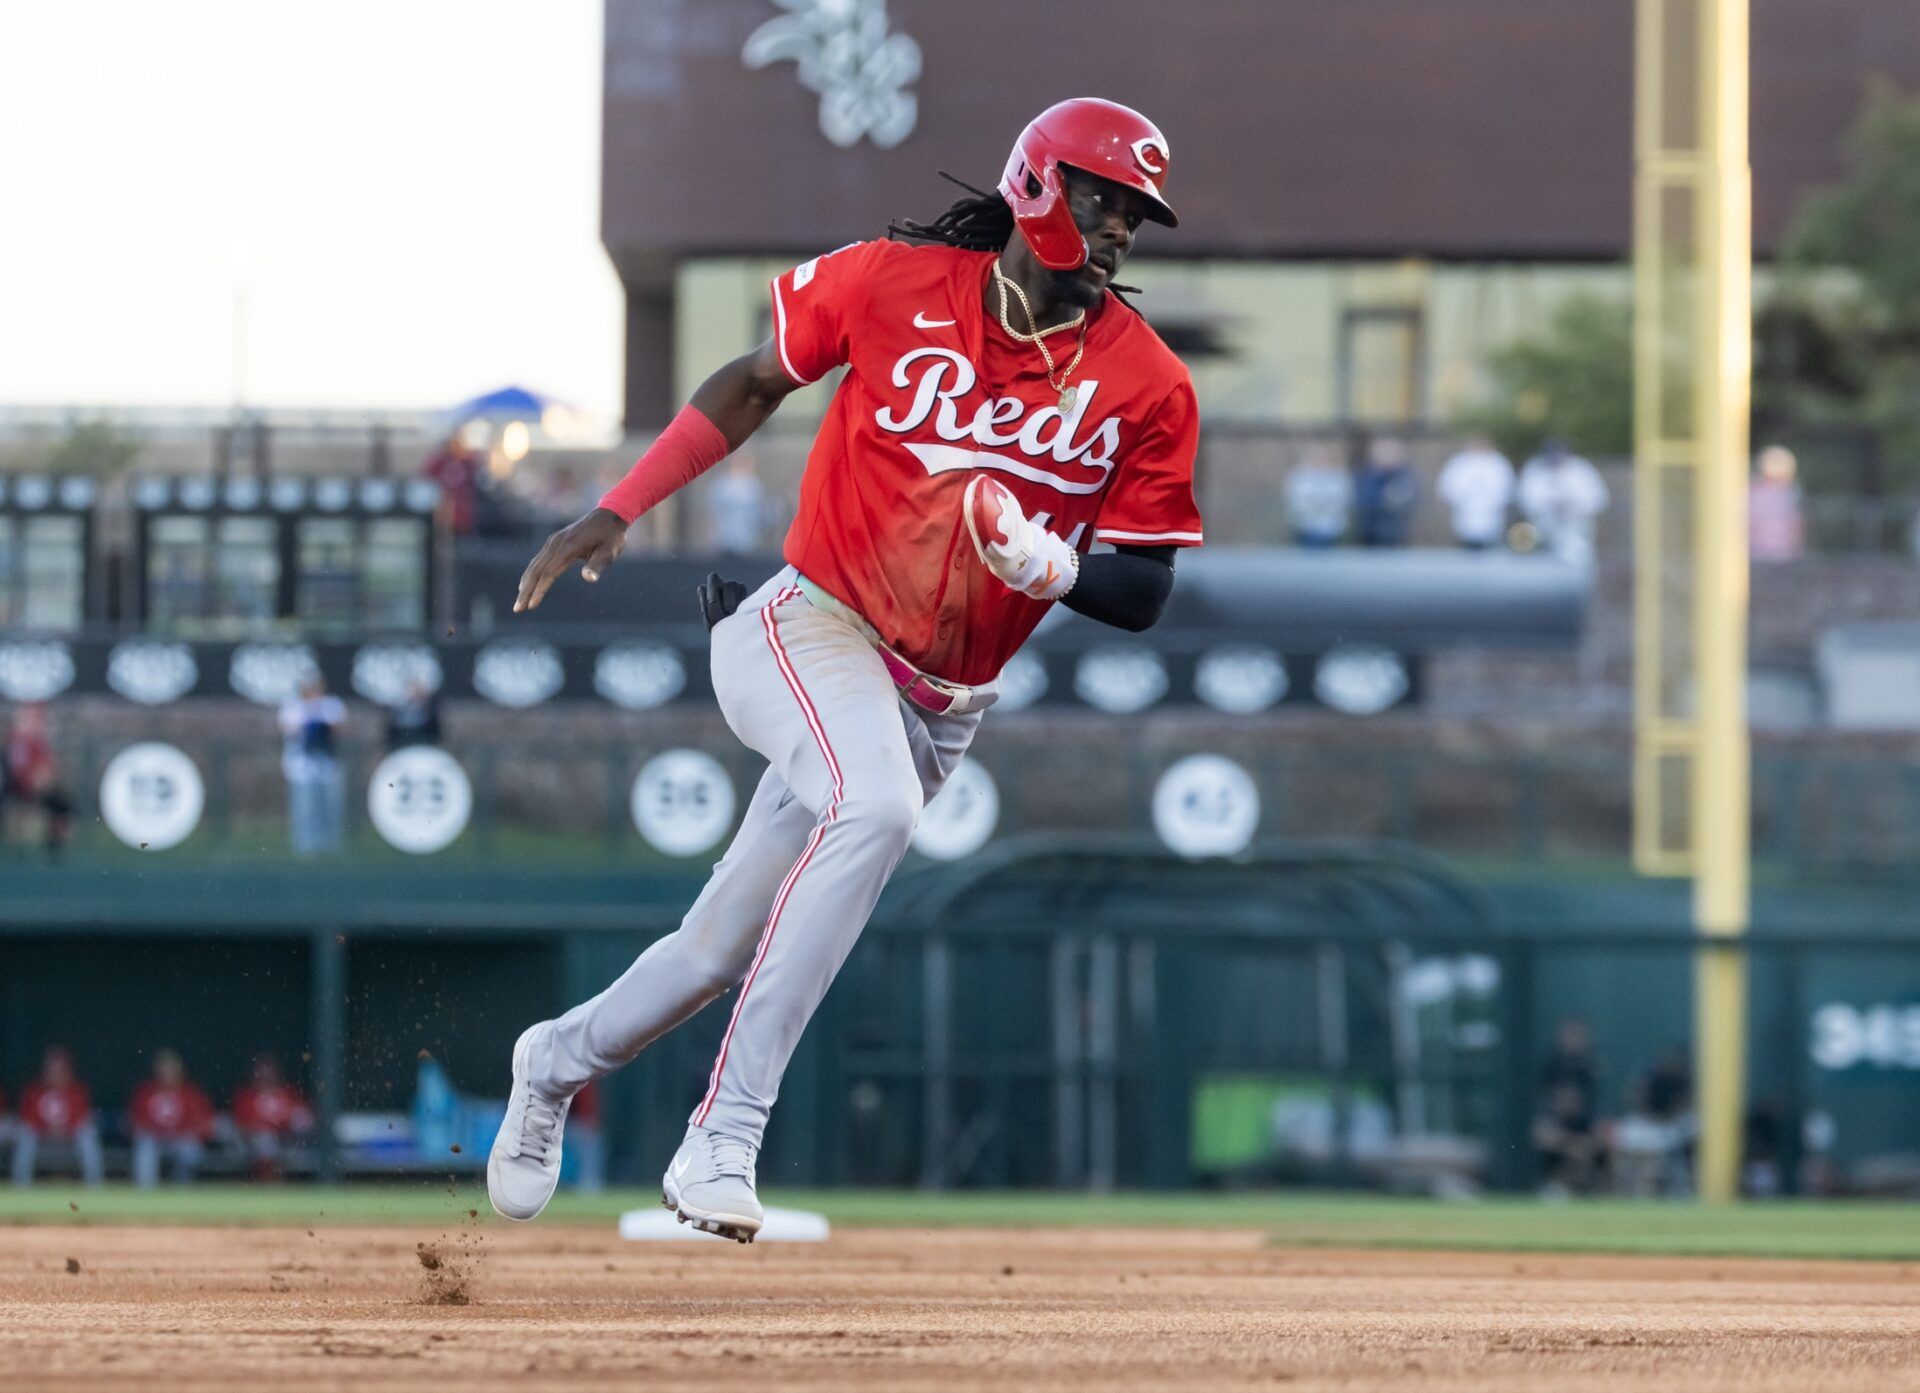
[[920, 321]]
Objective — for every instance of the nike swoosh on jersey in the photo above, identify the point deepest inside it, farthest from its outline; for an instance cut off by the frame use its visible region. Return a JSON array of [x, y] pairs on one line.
[[920, 321]]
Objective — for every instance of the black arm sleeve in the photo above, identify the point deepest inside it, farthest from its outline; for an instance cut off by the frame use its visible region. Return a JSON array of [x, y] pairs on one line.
[[1126, 588]]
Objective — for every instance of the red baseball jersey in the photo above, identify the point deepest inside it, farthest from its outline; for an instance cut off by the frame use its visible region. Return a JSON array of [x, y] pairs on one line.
[[935, 390], [276, 1107], [171, 1112], [55, 1112]]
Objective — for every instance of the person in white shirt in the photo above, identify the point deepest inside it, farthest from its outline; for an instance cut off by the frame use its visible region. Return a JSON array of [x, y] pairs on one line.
[[737, 511], [1319, 494], [1563, 495], [309, 723], [1476, 484]]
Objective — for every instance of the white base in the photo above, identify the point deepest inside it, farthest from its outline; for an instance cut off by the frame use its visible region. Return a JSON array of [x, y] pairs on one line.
[[657, 1225]]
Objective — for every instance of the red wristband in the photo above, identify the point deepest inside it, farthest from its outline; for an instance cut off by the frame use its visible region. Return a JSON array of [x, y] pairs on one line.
[[689, 446]]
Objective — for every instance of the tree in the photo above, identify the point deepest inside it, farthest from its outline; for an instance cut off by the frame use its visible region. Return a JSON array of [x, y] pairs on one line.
[[93, 447], [1864, 334], [1574, 382]]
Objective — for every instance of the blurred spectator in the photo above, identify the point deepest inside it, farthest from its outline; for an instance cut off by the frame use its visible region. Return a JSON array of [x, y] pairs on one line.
[[268, 1112], [560, 494], [55, 1112], [1476, 484], [1569, 1143], [1567, 1133], [1644, 1147], [170, 1116], [309, 726], [1654, 1139], [1385, 494], [1670, 1085], [416, 720], [1572, 1063], [1776, 529], [1563, 495], [1818, 1173], [1319, 499], [1760, 1155], [455, 467], [737, 508], [30, 775], [583, 1121]]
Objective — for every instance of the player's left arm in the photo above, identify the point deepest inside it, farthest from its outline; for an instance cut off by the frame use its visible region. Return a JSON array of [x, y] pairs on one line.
[[1148, 516], [1126, 587]]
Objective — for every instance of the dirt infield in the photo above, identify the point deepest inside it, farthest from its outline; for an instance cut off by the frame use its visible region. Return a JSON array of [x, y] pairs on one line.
[[482, 1307]]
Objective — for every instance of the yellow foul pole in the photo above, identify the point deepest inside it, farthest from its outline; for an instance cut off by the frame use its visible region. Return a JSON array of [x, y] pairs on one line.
[[1692, 382]]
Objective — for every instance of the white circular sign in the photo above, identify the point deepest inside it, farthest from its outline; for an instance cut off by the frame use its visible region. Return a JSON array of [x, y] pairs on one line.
[[266, 674], [961, 816], [1120, 680], [1023, 681], [1360, 680], [332, 495], [152, 673], [198, 493], [35, 670], [419, 799], [639, 676], [518, 675], [384, 673], [683, 802], [151, 796], [1206, 805], [1240, 679]]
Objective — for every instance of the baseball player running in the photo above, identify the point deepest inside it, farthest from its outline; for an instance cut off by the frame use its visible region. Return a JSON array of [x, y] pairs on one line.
[[1001, 412]]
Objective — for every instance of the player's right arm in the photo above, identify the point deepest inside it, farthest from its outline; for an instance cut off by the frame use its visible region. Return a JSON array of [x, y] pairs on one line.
[[723, 412]]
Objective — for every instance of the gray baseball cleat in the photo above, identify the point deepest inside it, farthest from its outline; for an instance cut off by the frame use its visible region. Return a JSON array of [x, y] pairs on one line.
[[710, 1185], [524, 1165]]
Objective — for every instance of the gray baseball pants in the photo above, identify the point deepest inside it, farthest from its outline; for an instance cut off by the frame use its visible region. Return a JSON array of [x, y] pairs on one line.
[[850, 765]]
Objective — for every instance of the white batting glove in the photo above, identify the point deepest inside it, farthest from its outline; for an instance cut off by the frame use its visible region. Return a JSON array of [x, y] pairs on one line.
[[1023, 554]]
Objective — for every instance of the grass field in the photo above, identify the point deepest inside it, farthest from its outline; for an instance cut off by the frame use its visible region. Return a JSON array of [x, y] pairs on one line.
[[1797, 1229]]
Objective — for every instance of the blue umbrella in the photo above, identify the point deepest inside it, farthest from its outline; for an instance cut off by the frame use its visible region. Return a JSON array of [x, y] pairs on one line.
[[506, 404]]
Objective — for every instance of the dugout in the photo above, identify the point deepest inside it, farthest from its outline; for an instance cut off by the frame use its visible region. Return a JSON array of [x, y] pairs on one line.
[[1056, 1011]]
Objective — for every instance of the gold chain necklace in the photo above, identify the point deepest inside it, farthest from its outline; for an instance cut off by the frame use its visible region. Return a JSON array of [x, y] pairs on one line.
[[1056, 377]]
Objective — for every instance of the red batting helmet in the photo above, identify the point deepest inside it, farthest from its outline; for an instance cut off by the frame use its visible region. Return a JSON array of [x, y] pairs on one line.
[[1104, 138]]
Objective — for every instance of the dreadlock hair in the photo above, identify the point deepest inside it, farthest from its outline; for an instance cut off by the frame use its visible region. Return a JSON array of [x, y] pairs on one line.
[[980, 223]]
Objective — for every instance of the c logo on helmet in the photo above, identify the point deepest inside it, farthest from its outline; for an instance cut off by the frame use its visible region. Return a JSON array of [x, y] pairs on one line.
[[1144, 151]]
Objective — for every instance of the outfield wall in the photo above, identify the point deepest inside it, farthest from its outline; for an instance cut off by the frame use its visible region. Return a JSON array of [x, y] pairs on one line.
[[1132, 1022]]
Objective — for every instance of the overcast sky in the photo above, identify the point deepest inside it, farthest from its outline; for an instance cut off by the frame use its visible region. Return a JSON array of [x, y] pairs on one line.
[[407, 190]]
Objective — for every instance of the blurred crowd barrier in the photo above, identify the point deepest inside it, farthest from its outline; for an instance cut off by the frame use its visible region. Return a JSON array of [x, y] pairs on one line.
[[668, 793], [1248, 474]]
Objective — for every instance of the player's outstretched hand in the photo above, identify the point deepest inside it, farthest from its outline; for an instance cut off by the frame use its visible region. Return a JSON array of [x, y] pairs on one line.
[[594, 541], [1022, 553]]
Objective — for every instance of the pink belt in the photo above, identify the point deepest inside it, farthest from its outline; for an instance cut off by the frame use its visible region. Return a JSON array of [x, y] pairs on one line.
[[926, 692]]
